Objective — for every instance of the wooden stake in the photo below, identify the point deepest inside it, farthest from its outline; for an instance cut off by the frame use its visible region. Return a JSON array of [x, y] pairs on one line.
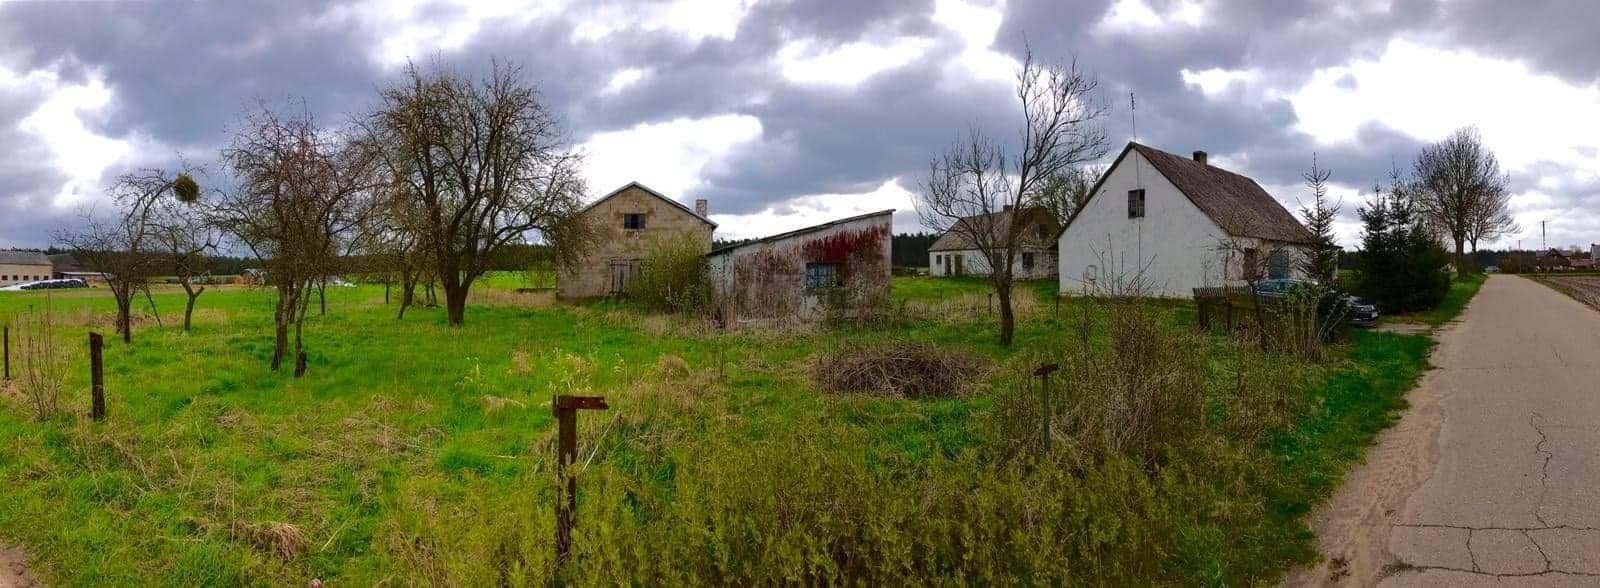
[[97, 378], [8, 352], [1044, 372], [566, 412]]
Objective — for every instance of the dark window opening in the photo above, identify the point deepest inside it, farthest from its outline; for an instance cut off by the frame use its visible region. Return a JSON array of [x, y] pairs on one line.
[[1136, 203], [633, 220], [1278, 265], [822, 275], [1027, 262]]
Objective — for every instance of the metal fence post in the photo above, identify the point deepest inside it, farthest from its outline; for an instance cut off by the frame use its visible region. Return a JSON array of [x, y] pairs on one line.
[[566, 412], [97, 377]]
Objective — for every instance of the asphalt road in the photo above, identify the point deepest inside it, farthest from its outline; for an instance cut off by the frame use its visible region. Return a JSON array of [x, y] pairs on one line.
[[1492, 476]]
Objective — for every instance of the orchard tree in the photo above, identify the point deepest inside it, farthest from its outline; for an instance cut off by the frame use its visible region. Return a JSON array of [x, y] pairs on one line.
[[485, 164], [302, 192], [184, 235], [119, 245]]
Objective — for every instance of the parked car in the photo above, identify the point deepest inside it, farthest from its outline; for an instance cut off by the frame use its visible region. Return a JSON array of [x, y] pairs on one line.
[[47, 285], [1280, 287], [1362, 313]]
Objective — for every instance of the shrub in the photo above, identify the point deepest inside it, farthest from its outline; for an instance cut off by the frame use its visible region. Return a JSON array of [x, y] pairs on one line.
[[901, 368], [43, 360], [674, 277]]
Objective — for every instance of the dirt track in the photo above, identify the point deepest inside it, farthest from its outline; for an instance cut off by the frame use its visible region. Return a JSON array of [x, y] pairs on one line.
[[1493, 475], [14, 569]]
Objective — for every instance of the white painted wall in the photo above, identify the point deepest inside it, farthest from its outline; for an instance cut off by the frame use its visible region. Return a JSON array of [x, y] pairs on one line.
[[1173, 249], [975, 263]]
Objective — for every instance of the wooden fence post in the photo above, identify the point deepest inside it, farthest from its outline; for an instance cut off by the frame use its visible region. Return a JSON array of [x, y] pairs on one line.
[[8, 352], [1044, 372], [566, 412], [97, 377]]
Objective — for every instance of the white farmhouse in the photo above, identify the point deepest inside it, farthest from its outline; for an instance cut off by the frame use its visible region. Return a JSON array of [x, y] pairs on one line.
[[954, 253], [1169, 224]]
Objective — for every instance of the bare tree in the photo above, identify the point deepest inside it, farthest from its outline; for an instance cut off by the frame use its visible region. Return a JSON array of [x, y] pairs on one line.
[[302, 192], [1322, 261], [487, 165], [979, 192], [181, 229], [1491, 216], [118, 245], [1460, 188]]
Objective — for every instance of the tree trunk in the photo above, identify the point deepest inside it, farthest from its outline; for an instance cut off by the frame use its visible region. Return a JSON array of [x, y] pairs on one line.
[[322, 297], [188, 308], [386, 291], [408, 295], [455, 301], [299, 330], [280, 318], [1461, 256], [1008, 321], [124, 296]]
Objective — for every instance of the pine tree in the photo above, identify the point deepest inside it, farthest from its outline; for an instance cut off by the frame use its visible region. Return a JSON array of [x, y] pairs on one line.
[[1323, 261]]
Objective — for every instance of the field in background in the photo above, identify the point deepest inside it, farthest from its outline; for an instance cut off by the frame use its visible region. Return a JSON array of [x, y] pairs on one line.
[[1583, 288], [415, 453]]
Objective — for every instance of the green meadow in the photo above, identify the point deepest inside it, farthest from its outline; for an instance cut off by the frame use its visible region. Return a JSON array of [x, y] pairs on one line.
[[414, 453]]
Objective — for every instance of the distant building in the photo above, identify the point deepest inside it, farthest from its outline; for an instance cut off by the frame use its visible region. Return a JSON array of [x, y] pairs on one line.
[[630, 221], [1553, 260], [795, 275], [24, 266], [1175, 223], [954, 253]]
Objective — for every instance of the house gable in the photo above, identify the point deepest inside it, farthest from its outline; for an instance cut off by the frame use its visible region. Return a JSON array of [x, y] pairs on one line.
[[627, 224]]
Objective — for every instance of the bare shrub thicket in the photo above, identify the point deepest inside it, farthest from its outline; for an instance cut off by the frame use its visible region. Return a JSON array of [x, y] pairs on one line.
[[43, 361], [903, 368], [674, 277]]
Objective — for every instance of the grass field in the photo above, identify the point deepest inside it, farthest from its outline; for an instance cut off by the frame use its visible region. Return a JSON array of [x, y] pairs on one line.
[[413, 453]]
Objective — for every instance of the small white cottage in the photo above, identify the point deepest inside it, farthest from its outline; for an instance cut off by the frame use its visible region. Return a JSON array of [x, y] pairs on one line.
[[1169, 224], [954, 253]]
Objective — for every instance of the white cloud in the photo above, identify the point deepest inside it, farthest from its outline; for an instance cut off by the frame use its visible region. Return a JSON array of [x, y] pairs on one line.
[[667, 156], [59, 125], [1133, 17], [1427, 92], [694, 19], [417, 29], [816, 209], [976, 24], [848, 64], [622, 79]]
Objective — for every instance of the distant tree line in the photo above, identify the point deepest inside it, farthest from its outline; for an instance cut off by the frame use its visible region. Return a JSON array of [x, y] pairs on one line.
[[911, 249]]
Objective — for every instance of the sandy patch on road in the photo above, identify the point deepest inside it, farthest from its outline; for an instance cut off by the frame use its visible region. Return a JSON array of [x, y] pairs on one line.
[[1353, 527], [14, 569]]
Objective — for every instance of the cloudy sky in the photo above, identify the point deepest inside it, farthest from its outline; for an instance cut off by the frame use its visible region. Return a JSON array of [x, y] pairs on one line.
[[787, 113]]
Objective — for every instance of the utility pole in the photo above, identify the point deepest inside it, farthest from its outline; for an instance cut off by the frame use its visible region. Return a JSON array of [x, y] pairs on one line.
[[1543, 242]]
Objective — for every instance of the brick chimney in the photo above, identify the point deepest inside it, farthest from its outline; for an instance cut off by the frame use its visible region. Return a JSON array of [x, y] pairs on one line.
[[1200, 156], [702, 207]]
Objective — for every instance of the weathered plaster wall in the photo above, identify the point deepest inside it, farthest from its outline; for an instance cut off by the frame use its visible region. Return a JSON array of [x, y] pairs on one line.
[[767, 281], [663, 221], [975, 263]]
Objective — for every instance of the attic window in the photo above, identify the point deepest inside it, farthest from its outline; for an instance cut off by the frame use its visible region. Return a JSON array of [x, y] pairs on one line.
[[1136, 203], [633, 220]]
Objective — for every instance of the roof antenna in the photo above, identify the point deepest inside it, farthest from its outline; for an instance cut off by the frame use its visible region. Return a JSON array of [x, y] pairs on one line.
[[1133, 116]]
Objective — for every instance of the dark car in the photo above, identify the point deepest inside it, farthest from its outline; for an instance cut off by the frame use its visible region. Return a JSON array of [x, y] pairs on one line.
[[50, 284], [1362, 313]]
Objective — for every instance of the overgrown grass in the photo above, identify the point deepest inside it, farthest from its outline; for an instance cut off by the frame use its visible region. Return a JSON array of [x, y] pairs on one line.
[[416, 453]]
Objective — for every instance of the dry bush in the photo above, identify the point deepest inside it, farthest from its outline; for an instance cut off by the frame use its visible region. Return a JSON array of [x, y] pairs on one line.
[[498, 297], [43, 360], [672, 367], [494, 404], [903, 368]]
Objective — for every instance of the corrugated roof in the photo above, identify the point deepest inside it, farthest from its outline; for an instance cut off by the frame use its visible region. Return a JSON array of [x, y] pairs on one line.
[[810, 229], [24, 258], [954, 239]]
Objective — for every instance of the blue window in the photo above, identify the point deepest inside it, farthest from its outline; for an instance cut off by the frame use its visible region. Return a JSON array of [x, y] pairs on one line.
[[822, 275]]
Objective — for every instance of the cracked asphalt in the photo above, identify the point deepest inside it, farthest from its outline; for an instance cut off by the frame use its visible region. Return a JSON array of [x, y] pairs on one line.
[[1492, 477]]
